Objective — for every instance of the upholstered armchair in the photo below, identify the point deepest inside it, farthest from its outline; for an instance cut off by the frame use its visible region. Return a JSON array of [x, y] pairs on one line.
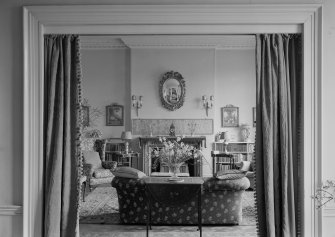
[[97, 171]]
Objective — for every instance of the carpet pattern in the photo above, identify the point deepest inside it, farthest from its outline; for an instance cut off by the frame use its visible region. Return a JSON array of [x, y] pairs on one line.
[[101, 207]]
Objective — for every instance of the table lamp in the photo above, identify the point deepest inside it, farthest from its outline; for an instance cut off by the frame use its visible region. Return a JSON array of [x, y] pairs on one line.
[[126, 136], [224, 139]]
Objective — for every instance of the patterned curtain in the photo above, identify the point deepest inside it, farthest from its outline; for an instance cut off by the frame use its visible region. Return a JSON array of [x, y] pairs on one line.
[[278, 141], [62, 129]]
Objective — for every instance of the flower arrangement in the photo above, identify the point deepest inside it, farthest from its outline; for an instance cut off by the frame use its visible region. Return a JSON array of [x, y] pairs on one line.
[[94, 114], [325, 194], [93, 133], [174, 153]]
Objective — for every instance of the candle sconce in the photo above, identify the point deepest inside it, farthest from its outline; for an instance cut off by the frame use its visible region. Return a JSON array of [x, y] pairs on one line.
[[137, 103], [208, 104]]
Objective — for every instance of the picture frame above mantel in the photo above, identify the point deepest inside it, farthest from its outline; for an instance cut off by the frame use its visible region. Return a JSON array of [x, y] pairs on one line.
[[172, 89]]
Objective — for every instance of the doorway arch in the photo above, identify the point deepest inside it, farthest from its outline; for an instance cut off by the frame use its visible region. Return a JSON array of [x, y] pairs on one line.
[[168, 19]]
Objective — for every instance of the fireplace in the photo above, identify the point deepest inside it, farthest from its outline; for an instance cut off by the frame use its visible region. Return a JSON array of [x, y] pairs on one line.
[[147, 145]]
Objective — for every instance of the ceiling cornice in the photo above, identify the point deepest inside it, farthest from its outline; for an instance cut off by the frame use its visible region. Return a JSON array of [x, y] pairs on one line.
[[163, 41], [101, 42]]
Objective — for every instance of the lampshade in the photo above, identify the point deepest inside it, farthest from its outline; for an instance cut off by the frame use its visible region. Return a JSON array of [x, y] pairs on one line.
[[126, 135]]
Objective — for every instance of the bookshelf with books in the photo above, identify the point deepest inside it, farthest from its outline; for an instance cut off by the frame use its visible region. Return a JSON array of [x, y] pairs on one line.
[[236, 152]]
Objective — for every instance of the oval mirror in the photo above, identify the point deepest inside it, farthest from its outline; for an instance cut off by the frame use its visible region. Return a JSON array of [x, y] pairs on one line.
[[172, 90]]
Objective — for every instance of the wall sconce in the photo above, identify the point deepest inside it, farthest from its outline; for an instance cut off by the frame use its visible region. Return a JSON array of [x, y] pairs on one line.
[[137, 103], [207, 104]]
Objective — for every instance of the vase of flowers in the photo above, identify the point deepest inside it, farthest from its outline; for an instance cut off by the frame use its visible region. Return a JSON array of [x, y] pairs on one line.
[[174, 154], [245, 132]]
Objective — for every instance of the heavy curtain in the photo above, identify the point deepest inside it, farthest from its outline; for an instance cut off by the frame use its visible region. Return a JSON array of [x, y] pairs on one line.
[[278, 141], [62, 113]]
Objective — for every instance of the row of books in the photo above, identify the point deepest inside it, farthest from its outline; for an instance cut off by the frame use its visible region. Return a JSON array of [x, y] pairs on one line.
[[235, 147], [236, 158], [220, 167]]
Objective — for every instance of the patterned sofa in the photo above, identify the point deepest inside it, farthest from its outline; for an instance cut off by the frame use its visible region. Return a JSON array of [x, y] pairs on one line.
[[221, 203]]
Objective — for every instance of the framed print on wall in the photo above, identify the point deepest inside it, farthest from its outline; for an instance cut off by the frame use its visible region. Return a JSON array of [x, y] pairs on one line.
[[230, 116], [114, 115], [254, 116], [86, 115]]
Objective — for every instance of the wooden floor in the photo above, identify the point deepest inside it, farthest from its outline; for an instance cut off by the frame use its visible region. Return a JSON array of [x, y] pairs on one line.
[[93, 230]]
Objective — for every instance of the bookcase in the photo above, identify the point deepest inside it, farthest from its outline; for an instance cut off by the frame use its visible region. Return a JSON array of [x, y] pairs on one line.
[[236, 152]]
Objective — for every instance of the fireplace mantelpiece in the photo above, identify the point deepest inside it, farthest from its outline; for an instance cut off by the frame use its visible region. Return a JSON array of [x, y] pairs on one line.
[[147, 144], [199, 141]]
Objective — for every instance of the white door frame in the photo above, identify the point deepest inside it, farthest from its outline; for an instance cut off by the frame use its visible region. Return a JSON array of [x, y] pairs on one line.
[[168, 19]]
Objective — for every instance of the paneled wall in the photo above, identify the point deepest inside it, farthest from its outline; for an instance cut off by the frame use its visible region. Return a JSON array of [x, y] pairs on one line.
[[235, 84], [106, 81], [197, 66]]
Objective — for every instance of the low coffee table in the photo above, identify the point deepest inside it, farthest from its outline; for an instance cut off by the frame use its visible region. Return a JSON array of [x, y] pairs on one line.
[[167, 174], [190, 186]]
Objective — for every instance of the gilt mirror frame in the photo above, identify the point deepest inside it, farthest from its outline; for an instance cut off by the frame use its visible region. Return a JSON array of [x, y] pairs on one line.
[[187, 19], [177, 76]]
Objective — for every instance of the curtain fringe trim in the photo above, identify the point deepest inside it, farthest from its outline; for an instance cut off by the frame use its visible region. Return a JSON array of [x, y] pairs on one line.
[[255, 183], [79, 123]]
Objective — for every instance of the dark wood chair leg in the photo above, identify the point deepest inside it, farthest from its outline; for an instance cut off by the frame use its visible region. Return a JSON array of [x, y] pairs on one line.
[[84, 190], [90, 187]]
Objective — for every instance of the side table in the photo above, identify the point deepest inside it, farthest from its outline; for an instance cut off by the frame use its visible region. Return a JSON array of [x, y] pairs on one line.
[[130, 159], [162, 190]]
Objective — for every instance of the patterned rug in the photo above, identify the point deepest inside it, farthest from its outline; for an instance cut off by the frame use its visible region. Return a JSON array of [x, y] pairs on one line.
[[101, 207]]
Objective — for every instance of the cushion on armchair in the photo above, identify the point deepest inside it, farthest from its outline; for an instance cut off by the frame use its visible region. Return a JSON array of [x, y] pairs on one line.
[[102, 173], [245, 166], [109, 165], [92, 158]]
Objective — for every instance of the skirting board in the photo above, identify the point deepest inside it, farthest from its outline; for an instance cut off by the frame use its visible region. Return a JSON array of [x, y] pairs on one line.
[[162, 126], [11, 210]]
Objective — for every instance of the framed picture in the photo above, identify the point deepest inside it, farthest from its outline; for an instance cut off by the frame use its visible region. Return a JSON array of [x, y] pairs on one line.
[[114, 115], [254, 116], [86, 115], [230, 116]]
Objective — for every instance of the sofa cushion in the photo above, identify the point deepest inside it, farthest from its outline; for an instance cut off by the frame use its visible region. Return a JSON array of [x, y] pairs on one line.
[[102, 173], [128, 172], [92, 158], [230, 174], [214, 184]]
